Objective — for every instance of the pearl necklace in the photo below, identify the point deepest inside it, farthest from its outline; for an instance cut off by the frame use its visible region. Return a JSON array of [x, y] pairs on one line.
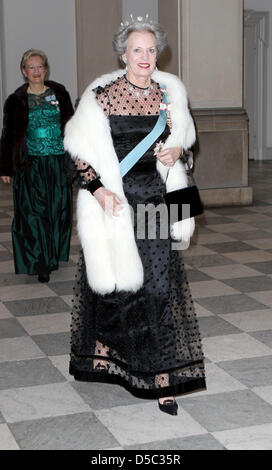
[[139, 91]]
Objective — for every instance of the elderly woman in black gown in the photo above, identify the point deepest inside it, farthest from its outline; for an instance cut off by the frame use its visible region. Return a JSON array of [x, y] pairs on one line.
[[133, 321]]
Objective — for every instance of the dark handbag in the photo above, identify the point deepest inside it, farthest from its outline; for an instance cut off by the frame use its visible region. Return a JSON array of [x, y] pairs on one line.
[[184, 203]]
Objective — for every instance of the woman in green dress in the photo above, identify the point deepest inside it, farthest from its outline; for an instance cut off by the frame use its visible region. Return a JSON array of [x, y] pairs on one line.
[[31, 150]]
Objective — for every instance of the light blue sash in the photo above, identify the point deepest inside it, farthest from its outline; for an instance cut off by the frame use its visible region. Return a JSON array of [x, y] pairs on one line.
[[135, 154]]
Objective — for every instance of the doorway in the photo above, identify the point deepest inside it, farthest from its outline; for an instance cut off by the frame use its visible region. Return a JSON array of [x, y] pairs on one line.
[[255, 76]]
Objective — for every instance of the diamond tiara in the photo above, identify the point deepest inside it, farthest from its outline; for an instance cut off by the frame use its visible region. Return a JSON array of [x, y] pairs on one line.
[[139, 19]]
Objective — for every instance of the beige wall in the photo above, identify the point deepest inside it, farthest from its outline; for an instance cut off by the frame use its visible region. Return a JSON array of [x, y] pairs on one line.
[[205, 39], [48, 25], [212, 46], [96, 20], [169, 18], [140, 8]]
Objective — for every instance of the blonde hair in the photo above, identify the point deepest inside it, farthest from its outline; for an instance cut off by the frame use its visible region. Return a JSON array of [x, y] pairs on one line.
[[31, 53]]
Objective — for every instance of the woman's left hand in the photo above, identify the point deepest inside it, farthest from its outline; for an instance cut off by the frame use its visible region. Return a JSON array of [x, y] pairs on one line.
[[168, 157]]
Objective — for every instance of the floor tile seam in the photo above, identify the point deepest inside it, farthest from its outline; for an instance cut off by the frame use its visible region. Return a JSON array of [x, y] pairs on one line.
[[127, 447], [218, 364], [13, 435], [220, 281], [266, 350], [214, 277], [213, 361], [221, 316], [32, 336], [31, 359], [243, 333], [252, 387], [200, 299], [224, 316], [38, 315], [14, 337], [146, 404], [195, 258], [211, 427], [61, 380], [36, 386], [17, 316], [38, 420], [256, 387], [216, 251], [95, 411], [260, 397], [245, 279], [240, 331], [254, 250], [40, 356], [30, 286], [249, 429], [259, 293], [224, 394], [235, 279], [231, 373], [53, 416], [35, 334]]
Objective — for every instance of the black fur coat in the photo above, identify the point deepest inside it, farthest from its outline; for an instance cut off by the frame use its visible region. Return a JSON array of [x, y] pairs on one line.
[[13, 149]]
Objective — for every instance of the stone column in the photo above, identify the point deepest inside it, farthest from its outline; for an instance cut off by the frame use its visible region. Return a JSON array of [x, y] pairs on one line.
[[212, 46], [208, 56], [212, 69]]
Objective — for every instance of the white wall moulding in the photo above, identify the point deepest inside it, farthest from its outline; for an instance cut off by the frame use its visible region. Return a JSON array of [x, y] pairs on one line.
[[261, 6], [212, 52], [268, 153], [256, 42]]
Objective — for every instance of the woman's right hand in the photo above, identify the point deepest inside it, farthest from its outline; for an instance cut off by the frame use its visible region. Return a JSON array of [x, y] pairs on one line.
[[5, 179], [109, 202]]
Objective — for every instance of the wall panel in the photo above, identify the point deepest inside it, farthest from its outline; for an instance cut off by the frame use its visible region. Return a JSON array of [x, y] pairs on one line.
[[97, 21]]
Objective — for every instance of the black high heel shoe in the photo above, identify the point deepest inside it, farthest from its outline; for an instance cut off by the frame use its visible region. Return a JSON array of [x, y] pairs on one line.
[[43, 277], [169, 406]]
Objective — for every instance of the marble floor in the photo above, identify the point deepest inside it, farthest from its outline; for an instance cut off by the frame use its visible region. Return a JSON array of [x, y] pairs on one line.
[[230, 271]]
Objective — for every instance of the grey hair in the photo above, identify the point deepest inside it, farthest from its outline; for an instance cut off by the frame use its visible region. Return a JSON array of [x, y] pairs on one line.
[[121, 37]]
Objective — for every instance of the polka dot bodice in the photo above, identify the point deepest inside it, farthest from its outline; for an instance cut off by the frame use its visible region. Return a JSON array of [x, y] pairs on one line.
[[123, 98], [132, 112]]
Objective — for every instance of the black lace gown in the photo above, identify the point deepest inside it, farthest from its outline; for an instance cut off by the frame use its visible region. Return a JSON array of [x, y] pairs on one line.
[[148, 341]]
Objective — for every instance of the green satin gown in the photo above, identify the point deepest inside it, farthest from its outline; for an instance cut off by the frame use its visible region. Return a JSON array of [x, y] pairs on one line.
[[41, 228]]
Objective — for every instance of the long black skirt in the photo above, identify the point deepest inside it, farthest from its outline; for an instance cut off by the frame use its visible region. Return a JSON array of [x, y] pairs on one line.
[[148, 341]]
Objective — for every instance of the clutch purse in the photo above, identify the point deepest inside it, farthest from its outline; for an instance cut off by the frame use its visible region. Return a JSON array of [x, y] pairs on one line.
[[184, 203]]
